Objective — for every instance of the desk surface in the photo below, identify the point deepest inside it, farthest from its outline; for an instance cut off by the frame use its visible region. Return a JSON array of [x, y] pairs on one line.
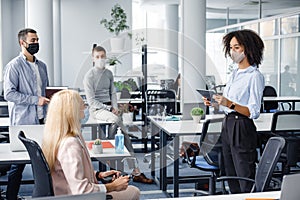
[[3, 103], [9, 157], [270, 195], [4, 121], [186, 127], [282, 98]]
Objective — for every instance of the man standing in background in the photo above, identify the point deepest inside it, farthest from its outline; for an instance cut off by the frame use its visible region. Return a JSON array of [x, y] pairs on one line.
[[25, 82]]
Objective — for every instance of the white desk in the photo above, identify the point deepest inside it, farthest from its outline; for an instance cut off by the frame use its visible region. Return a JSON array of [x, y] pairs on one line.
[[4, 121], [3, 103], [292, 99], [176, 129], [94, 124], [9, 157], [267, 195]]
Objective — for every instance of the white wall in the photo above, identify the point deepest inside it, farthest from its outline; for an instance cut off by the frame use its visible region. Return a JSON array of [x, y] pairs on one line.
[[81, 28], [12, 19]]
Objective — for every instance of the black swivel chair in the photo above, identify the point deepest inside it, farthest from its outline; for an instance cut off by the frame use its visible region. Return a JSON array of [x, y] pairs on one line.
[[270, 91], [42, 177], [210, 157], [286, 124], [266, 166]]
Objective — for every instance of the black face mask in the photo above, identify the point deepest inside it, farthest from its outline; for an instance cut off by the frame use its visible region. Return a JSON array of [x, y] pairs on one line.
[[33, 48]]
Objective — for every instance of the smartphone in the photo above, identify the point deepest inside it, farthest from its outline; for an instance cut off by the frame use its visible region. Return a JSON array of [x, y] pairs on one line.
[[108, 179]]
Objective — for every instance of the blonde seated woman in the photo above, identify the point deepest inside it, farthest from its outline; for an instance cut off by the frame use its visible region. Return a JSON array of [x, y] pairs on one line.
[[68, 158]]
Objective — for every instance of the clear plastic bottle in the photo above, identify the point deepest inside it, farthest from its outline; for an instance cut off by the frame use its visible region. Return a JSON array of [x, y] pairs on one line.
[[163, 117], [119, 142]]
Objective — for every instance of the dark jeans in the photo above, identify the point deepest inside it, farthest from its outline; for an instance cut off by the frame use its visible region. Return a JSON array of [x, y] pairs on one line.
[[14, 181]]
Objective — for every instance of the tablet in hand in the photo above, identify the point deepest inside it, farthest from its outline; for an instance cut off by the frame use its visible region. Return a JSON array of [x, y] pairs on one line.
[[208, 94]]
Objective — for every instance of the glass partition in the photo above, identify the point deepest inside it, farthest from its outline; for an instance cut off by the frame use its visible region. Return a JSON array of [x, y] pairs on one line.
[[269, 66], [290, 25], [289, 66], [253, 27], [268, 28]]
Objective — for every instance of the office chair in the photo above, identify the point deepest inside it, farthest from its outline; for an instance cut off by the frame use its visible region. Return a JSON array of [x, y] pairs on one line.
[[210, 157], [42, 177], [286, 124], [268, 107], [265, 168]]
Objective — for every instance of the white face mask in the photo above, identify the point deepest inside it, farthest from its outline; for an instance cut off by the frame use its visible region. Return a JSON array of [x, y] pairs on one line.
[[100, 63], [237, 57]]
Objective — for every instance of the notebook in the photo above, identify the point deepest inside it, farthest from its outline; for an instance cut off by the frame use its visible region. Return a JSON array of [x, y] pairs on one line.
[[34, 132], [52, 90], [290, 188]]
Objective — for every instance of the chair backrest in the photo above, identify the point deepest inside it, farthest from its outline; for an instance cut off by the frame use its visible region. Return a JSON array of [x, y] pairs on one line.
[[286, 124], [210, 144], [268, 162], [157, 100], [269, 91], [4, 111], [41, 172]]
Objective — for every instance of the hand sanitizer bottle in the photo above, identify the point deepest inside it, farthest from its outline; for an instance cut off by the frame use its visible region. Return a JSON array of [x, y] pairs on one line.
[[119, 142]]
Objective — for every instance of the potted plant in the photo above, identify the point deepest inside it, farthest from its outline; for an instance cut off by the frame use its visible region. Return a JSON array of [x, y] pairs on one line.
[[116, 25], [197, 113], [112, 62], [97, 146]]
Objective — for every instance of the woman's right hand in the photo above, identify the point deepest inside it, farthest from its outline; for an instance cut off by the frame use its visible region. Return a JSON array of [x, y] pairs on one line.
[[118, 184], [206, 101]]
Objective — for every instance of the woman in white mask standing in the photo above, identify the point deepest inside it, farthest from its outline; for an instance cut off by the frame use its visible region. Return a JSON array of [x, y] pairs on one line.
[[241, 103], [101, 96]]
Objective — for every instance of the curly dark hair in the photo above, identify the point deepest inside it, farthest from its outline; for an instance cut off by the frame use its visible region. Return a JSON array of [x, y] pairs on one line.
[[250, 40]]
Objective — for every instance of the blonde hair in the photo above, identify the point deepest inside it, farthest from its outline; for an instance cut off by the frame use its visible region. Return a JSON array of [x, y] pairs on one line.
[[63, 120]]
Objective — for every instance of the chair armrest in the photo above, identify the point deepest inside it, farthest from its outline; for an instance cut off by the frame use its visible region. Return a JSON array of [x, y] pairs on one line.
[[226, 178]]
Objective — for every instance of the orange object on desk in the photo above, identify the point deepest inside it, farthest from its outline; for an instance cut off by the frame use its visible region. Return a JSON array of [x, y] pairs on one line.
[[259, 198], [105, 144]]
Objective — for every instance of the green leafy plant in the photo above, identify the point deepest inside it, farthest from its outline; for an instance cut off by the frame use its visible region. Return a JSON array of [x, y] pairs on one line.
[[118, 23], [97, 142], [113, 61], [196, 111], [122, 85]]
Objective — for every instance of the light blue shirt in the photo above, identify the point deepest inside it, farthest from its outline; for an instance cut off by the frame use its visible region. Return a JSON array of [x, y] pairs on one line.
[[20, 90], [245, 87]]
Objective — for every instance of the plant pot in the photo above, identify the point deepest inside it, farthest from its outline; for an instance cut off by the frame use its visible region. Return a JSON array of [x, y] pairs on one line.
[[112, 68], [117, 44], [118, 95], [97, 148], [196, 119]]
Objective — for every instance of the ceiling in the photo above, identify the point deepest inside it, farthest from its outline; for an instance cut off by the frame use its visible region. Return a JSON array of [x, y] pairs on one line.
[[249, 8], [241, 9]]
